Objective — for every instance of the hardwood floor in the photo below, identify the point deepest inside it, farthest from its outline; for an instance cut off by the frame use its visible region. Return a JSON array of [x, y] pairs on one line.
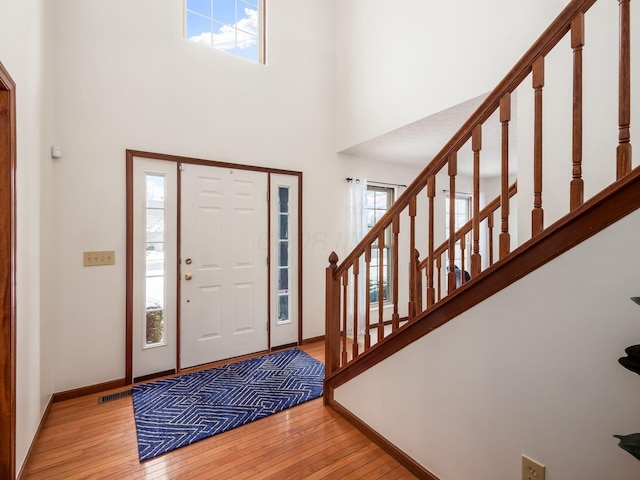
[[82, 439]]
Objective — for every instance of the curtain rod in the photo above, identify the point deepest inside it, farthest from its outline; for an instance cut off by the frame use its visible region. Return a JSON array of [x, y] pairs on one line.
[[349, 179]]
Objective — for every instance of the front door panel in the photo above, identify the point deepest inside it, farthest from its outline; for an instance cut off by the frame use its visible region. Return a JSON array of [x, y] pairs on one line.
[[224, 271]]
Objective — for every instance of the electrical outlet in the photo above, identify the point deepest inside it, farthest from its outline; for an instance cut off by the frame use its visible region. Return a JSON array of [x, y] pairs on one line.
[[532, 470], [105, 257]]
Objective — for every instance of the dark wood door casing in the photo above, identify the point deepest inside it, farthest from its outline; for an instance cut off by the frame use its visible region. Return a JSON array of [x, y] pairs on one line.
[[7, 276]]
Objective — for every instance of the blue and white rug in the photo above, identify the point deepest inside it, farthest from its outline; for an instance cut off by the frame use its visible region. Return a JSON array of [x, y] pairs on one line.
[[179, 411]]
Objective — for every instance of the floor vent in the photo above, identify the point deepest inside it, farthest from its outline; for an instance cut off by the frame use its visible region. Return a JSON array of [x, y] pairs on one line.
[[114, 396]]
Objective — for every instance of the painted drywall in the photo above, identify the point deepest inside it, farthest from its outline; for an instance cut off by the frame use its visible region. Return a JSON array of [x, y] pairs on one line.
[[126, 78], [25, 53], [398, 62], [501, 380]]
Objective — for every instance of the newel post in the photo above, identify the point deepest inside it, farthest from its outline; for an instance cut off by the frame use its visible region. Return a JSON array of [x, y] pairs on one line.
[[332, 319]]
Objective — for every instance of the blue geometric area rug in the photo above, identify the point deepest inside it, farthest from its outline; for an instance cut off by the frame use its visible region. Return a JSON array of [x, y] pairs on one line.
[[179, 411]]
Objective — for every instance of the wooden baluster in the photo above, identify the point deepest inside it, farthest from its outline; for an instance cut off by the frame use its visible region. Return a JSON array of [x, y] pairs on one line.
[[463, 248], [418, 277], [367, 296], [431, 193], [345, 284], [439, 268], [490, 228], [577, 42], [356, 272], [623, 152], [380, 285], [332, 320], [453, 171], [537, 215], [476, 145], [396, 230], [412, 247], [505, 238]]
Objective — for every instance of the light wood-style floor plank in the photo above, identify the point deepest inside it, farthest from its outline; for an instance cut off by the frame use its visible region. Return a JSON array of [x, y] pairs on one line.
[[82, 440]]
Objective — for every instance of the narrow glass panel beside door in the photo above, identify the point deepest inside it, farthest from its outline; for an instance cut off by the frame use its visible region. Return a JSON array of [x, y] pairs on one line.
[[154, 270], [283, 255]]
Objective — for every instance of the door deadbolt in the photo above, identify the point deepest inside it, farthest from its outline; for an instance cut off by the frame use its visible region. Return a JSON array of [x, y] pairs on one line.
[[187, 276], [188, 261]]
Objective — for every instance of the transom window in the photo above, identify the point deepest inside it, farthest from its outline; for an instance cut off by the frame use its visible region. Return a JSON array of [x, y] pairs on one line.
[[233, 26], [379, 199]]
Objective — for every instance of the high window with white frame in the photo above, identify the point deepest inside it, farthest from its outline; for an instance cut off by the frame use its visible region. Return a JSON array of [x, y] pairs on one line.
[[233, 26], [379, 199]]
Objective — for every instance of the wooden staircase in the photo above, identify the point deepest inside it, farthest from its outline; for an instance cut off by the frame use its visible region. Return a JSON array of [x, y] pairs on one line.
[[435, 297]]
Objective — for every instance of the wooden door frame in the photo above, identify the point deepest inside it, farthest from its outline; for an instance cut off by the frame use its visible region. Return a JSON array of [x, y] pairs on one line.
[[7, 275], [130, 156]]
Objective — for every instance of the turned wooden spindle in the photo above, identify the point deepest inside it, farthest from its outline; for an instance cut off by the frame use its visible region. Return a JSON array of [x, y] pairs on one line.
[[345, 285], [576, 196], [356, 272], [476, 146], [431, 193], [537, 215], [418, 280], [367, 296], [490, 234], [505, 238], [395, 318], [412, 246], [463, 249], [623, 152], [381, 285], [453, 171], [439, 270]]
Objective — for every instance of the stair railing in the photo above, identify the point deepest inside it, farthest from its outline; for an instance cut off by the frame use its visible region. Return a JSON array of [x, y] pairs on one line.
[[352, 331]]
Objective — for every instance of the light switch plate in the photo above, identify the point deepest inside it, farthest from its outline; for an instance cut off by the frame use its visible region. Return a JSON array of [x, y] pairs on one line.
[[104, 257]]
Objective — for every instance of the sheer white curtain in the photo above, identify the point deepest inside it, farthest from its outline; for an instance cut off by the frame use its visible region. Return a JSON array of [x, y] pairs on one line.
[[356, 229]]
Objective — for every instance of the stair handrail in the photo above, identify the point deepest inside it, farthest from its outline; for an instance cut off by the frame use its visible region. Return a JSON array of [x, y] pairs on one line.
[[542, 46], [344, 342]]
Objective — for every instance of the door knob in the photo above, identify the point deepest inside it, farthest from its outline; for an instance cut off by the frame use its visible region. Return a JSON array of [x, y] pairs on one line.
[[187, 276]]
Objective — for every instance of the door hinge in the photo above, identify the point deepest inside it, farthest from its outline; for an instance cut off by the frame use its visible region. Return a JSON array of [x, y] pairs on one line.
[[267, 261], [268, 196], [181, 166]]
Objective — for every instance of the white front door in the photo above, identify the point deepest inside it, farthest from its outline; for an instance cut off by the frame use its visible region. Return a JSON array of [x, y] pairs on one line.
[[223, 263]]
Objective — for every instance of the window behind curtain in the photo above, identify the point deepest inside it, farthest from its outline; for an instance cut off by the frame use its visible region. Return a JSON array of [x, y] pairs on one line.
[[462, 215], [379, 199]]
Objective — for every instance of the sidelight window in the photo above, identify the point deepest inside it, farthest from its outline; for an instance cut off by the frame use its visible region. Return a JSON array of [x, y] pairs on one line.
[[284, 250], [155, 268]]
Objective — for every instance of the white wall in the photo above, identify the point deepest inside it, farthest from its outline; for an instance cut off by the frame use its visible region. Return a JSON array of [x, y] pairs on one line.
[[400, 61], [25, 53], [502, 380], [125, 78]]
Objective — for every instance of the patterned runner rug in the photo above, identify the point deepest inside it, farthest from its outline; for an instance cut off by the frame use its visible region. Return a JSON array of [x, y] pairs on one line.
[[179, 411]]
